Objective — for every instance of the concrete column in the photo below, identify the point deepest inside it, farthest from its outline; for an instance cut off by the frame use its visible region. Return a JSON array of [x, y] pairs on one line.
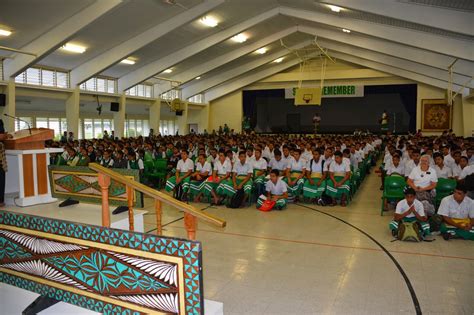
[[182, 121], [204, 119], [155, 115], [119, 117], [10, 107], [72, 112]]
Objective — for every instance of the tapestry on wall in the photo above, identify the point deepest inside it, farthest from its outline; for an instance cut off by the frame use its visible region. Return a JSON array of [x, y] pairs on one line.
[[436, 115]]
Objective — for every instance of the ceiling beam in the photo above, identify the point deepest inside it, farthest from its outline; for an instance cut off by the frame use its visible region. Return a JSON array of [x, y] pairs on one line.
[[392, 70], [437, 17], [247, 79], [396, 62], [204, 85], [200, 69], [54, 38], [125, 49], [150, 69], [429, 58], [440, 44]]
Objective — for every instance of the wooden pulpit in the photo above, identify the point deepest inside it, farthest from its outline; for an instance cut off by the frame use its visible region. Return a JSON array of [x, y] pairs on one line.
[[27, 180]]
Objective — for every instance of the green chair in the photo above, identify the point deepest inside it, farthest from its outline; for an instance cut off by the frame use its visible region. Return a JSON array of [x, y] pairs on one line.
[[393, 189], [444, 187], [160, 171]]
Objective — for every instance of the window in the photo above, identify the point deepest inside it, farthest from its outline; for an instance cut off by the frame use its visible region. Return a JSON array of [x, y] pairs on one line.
[[20, 125], [100, 84], [136, 128], [198, 98], [59, 125], [94, 128], [143, 90], [167, 127], [171, 95], [44, 77]]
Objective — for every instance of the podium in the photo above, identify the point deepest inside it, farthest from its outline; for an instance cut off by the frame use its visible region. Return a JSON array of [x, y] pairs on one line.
[[27, 180]]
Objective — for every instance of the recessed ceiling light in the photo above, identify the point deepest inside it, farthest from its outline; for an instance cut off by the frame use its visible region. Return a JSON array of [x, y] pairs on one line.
[[4, 32], [209, 21], [74, 48], [261, 51], [278, 60], [240, 38], [168, 71], [128, 61], [334, 8], [198, 78], [346, 30]]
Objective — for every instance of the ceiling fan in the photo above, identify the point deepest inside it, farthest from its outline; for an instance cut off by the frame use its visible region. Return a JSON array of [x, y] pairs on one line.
[[174, 2]]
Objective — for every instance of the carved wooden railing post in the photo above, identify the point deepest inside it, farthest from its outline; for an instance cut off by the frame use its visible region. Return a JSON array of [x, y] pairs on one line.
[[159, 231], [104, 183], [190, 223], [131, 218]]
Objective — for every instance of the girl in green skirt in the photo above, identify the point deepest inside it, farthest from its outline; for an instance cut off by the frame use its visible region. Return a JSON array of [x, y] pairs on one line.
[[296, 170], [315, 183], [198, 178], [184, 169], [241, 179], [222, 169], [338, 183]]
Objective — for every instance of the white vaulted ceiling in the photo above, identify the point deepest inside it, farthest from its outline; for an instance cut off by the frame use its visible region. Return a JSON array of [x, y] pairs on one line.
[[416, 39]]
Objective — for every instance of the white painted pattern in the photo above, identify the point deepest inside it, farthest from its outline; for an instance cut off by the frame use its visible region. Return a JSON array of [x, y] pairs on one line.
[[40, 246], [166, 302]]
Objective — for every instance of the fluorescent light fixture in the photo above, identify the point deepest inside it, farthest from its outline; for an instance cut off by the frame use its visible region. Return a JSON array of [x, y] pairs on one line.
[[198, 78], [240, 38], [168, 71], [4, 32], [209, 21], [261, 51], [346, 30], [128, 61], [334, 8], [74, 48], [278, 60]]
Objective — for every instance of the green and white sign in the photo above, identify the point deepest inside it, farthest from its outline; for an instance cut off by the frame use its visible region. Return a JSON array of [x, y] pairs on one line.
[[334, 91]]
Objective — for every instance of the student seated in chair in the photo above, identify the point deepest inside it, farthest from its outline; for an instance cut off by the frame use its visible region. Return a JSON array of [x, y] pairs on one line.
[[409, 210], [184, 169], [338, 183], [276, 190], [295, 172], [259, 166], [457, 211], [241, 179], [134, 163], [222, 170], [198, 178], [315, 183]]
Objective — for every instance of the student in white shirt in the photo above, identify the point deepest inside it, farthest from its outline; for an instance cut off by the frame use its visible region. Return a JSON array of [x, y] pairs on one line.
[[278, 163], [259, 166], [184, 169], [222, 170], [295, 172], [198, 178], [413, 162], [241, 178], [457, 211], [315, 183], [338, 183], [409, 210], [276, 190], [442, 171]]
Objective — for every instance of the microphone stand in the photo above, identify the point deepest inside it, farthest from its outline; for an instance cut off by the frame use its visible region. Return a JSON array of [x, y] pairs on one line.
[[19, 119]]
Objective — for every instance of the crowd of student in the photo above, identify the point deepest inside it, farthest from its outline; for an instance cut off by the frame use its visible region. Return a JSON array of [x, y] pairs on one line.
[[323, 170]]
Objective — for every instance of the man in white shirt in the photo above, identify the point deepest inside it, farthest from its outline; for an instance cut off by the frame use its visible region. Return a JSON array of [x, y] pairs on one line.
[[241, 179], [278, 163], [409, 210], [184, 169], [413, 162], [276, 190], [423, 180], [259, 166], [198, 178], [457, 211], [338, 182], [442, 171]]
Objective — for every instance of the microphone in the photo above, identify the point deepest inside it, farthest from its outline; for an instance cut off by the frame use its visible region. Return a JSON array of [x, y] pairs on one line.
[[19, 119]]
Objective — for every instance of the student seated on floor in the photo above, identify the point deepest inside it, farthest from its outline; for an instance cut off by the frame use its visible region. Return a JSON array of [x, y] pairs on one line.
[[276, 190], [315, 183], [184, 169], [457, 211], [409, 210], [241, 179], [295, 172], [198, 178], [338, 183]]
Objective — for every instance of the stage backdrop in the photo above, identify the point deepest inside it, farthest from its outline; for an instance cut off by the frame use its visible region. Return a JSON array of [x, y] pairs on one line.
[[271, 112]]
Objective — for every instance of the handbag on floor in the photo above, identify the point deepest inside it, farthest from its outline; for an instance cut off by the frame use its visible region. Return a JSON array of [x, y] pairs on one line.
[[237, 199], [409, 232]]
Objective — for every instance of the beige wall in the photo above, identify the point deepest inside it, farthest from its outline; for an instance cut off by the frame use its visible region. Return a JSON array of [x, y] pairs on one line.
[[226, 110]]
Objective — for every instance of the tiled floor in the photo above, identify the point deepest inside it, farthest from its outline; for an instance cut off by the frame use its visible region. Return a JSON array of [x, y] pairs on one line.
[[299, 261]]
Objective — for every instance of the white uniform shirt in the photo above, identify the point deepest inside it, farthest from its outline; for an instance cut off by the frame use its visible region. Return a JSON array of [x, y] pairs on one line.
[[456, 169], [222, 169], [299, 166], [278, 165], [421, 178], [402, 207], [287, 159], [276, 189], [109, 163], [468, 170], [444, 172], [452, 209], [339, 168], [327, 162], [184, 167], [315, 167], [449, 160], [391, 168], [260, 164], [268, 154], [409, 166], [240, 169], [204, 168]]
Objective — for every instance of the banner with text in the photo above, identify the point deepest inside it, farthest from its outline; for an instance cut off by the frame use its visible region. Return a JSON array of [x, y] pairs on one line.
[[333, 91]]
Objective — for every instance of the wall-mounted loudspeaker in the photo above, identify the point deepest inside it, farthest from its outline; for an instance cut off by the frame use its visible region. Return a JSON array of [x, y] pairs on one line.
[[3, 99], [114, 107], [179, 113]]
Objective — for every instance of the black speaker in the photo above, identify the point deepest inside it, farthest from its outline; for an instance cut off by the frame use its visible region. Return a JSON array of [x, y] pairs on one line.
[[179, 113], [114, 107], [3, 99]]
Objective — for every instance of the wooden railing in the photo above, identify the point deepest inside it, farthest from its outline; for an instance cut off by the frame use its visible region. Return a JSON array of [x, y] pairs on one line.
[[191, 214]]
